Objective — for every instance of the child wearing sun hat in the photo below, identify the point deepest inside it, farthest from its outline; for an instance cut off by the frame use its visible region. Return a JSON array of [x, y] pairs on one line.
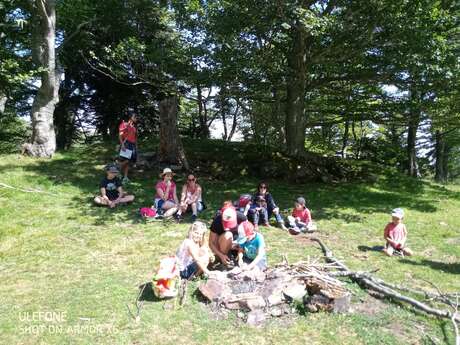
[[395, 234]]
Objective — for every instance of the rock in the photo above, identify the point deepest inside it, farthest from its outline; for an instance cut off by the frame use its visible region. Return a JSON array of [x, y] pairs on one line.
[[254, 274], [275, 299], [295, 290], [214, 290], [276, 311], [255, 303], [256, 318], [342, 304]]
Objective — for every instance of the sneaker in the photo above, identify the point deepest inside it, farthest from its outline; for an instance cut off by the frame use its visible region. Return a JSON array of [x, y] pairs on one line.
[[178, 217], [194, 217], [125, 180]]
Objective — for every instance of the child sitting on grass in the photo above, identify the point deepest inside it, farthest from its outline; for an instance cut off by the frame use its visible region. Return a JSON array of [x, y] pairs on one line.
[[251, 247], [300, 220], [395, 234], [193, 254], [111, 189]]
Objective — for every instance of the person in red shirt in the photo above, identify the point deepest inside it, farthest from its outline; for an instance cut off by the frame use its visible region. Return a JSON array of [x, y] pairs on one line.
[[300, 220], [128, 145], [395, 234]]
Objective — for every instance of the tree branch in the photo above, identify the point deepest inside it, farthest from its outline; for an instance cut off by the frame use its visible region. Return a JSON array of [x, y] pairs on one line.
[[378, 285]]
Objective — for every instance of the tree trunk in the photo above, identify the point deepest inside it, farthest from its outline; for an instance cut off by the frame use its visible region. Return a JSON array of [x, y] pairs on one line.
[[345, 139], [170, 150], [202, 115], [439, 155], [445, 160], [412, 166], [44, 53], [64, 116], [234, 123], [276, 116], [3, 100], [295, 122]]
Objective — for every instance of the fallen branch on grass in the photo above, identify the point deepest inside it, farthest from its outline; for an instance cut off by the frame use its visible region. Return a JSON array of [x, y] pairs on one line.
[[4, 185], [367, 280], [139, 304]]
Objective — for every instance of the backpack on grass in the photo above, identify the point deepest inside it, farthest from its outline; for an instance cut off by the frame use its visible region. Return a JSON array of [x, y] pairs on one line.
[[243, 201], [166, 279]]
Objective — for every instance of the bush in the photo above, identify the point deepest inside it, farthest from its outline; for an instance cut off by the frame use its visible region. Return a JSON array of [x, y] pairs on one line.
[[14, 131]]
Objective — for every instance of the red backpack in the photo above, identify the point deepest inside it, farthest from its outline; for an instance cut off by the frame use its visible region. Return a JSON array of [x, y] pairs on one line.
[[244, 200], [147, 212]]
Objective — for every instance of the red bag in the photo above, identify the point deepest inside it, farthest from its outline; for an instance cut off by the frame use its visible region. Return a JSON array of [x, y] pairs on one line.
[[147, 212], [244, 200]]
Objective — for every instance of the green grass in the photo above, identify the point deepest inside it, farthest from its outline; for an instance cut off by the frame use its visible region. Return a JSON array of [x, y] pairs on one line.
[[58, 253]]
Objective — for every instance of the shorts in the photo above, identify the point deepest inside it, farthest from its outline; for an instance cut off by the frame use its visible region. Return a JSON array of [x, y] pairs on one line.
[[159, 203], [133, 147], [262, 265], [199, 206], [189, 271]]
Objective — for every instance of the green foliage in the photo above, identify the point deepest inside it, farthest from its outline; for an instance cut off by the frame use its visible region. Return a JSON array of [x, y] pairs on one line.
[[370, 69], [14, 132]]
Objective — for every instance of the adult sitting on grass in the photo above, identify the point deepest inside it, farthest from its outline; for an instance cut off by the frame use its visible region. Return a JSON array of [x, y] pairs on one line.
[[166, 201], [224, 230], [111, 189], [128, 145], [191, 197], [271, 208]]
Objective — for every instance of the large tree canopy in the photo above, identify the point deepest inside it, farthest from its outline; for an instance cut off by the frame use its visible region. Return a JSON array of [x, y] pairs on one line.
[[372, 79]]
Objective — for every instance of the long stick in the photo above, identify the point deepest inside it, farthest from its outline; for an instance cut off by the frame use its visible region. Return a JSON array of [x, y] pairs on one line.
[[4, 185], [376, 284]]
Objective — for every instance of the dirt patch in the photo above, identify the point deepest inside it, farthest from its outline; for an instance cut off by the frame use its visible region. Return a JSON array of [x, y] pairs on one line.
[[369, 306], [453, 240], [305, 240]]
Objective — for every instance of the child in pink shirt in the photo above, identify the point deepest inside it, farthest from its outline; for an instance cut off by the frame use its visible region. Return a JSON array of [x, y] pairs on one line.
[[395, 234], [300, 220]]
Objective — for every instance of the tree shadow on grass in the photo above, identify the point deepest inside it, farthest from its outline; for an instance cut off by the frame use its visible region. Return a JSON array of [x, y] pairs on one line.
[[372, 249], [353, 202], [350, 202], [146, 293], [452, 268]]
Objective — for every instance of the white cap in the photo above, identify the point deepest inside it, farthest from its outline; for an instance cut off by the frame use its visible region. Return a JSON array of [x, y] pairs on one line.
[[398, 213]]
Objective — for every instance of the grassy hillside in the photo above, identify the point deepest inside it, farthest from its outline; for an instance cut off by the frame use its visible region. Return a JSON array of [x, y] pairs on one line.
[[60, 254]]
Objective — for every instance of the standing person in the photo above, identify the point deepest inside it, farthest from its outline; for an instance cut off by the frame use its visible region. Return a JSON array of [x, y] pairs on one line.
[[191, 197], [262, 190], [166, 197], [128, 145], [111, 190], [395, 234], [224, 230]]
